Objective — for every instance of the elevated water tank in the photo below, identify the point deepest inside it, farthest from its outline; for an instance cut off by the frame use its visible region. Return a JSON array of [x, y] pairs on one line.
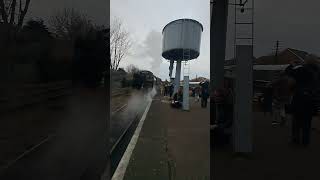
[[179, 35]]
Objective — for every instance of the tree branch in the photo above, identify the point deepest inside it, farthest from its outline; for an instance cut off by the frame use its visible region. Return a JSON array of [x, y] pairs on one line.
[[23, 13], [119, 42], [13, 10], [3, 12]]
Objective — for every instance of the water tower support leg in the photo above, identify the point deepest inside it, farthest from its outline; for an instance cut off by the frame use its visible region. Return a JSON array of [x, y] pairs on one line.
[[170, 68], [177, 78], [186, 93]]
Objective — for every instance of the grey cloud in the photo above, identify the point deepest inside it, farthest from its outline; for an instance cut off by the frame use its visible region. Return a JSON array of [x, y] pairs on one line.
[[97, 10], [152, 46], [149, 50]]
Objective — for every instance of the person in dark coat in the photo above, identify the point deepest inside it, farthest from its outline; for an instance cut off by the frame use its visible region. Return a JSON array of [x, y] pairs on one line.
[[171, 88], [267, 100], [204, 94], [302, 102], [165, 90]]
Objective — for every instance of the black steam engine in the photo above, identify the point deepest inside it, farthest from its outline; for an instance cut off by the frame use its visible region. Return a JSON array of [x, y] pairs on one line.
[[143, 80]]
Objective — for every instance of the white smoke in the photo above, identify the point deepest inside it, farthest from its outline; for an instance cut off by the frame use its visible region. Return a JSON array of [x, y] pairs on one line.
[[150, 49], [153, 49], [151, 94], [137, 100]]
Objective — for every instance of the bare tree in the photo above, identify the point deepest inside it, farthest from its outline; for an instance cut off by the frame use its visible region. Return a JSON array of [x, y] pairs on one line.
[[120, 43], [131, 69], [13, 12], [70, 24]]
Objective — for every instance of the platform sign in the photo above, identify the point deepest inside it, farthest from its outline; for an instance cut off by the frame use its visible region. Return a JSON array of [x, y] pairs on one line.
[[185, 104], [243, 100]]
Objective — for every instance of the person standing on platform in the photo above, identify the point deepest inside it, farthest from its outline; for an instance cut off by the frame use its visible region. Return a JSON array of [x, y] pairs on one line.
[[204, 95], [166, 90], [267, 100], [197, 93], [162, 90], [302, 104], [281, 99], [171, 88]]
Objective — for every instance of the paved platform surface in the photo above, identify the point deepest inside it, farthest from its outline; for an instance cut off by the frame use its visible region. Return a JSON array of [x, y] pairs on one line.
[[173, 144], [273, 157]]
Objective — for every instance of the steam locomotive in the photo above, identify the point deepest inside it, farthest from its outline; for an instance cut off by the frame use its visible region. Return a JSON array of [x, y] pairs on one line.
[[143, 80]]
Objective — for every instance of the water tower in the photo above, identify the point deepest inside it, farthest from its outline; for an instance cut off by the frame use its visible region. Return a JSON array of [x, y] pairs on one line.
[[181, 43]]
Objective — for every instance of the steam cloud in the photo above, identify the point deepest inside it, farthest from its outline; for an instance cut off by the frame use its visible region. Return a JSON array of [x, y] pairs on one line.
[[152, 46], [150, 49]]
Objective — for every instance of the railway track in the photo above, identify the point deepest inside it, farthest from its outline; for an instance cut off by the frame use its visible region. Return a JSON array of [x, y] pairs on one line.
[[119, 109], [123, 134], [51, 137], [119, 146], [120, 92], [26, 152]]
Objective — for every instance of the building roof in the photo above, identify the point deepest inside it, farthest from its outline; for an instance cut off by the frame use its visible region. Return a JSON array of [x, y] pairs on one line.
[[300, 54], [270, 67], [263, 67], [199, 79], [232, 61], [284, 57]]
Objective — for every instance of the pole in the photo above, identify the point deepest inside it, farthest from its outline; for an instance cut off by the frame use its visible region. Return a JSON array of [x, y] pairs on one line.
[[170, 68], [177, 78], [185, 102], [243, 100], [276, 54], [218, 34]]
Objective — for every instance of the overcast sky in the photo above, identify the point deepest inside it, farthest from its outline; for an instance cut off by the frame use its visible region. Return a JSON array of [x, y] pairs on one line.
[[145, 20], [96, 10], [293, 22]]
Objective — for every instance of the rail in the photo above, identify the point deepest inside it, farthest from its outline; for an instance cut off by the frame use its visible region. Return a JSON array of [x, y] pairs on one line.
[[122, 135], [119, 109], [119, 146], [120, 92], [25, 153]]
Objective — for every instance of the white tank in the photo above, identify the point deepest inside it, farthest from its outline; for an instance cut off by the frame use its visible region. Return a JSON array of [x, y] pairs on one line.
[[179, 35]]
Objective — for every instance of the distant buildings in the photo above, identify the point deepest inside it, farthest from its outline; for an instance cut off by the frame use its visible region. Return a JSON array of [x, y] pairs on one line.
[[266, 68], [284, 57]]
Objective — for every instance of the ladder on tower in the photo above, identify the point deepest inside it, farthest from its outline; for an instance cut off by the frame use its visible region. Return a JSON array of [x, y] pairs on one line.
[[243, 23], [186, 71], [186, 65]]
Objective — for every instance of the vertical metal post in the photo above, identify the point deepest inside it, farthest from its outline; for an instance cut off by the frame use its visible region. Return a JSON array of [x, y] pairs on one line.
[[170, 68], [218, 34], [243, 100], [185, 104], [177, 78]]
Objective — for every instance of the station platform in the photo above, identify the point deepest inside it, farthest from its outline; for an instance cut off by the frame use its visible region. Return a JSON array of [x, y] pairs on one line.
[[273, 157], [173, 144]]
